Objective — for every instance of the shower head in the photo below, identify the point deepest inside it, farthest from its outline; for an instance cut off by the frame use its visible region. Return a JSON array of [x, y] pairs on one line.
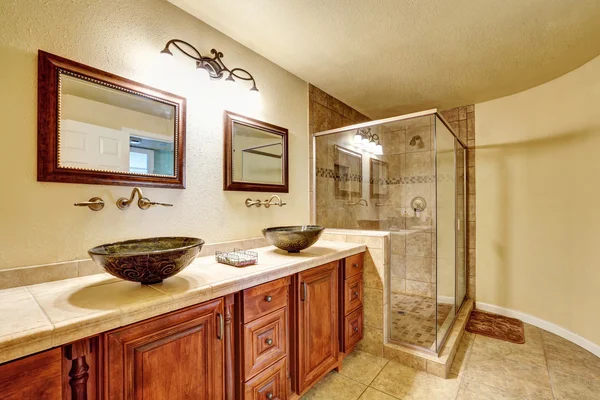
[[414, 140]]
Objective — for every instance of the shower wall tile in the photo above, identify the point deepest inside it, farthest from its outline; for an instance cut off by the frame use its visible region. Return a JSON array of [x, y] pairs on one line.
[[451, 115], [373, 307], [374, 269], [320, 121], [394, 142], [419, 269], [419, 163], [398, 243], [420, 288], [372, 242], [418, 244]]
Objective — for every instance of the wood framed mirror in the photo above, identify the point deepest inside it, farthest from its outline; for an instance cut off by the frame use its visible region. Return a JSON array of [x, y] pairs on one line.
[[98, 128], [379, 179], [347, 169], [256, 155]]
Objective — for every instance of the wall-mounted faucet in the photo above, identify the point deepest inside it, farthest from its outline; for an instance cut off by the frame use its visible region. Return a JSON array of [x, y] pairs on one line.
[[143, 202], [361, 202], [267, 203]]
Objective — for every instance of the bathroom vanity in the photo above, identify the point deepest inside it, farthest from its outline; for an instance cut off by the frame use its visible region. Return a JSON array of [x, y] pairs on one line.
[[268, 331]]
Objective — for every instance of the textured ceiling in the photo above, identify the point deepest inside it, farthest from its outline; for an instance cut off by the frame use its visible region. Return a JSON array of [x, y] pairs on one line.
[[388, 57]]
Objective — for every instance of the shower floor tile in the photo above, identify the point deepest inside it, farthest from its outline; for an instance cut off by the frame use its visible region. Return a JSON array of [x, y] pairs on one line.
[[413, 319]]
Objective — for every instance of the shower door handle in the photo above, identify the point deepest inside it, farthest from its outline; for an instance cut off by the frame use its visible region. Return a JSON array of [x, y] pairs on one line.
[[458, 224]]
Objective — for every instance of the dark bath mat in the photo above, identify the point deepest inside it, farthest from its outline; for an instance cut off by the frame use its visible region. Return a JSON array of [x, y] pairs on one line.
[[496, 326]]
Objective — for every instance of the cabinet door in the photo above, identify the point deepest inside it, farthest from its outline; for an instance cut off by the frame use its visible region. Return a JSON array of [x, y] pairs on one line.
[[33, 377], [176, 356], [318, 347]]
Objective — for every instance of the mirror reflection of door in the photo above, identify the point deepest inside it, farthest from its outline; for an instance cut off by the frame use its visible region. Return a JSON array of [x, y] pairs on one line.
[[257, 155], [379, 179], [107, 129], [347, 169]]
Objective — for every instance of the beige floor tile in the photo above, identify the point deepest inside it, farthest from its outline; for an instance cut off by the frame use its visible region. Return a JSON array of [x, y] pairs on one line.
[[532, 351], [519, 378], [568, 358], [570, 387], [462, 354], [372, 394], [362, 367], [471, 390], [407, 383], [335, 387]]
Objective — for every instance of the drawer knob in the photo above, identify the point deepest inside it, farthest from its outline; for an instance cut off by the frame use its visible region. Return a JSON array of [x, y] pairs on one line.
[[268, 299], [269, 341], [356, 294], [269, 395], [356, 329], [355, 265]]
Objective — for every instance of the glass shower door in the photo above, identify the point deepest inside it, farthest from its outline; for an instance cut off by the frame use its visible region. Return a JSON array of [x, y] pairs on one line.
[[445, 181], [461, 225]]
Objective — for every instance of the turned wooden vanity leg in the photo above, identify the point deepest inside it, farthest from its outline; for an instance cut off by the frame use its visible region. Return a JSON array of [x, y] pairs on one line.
[[78, 373], [229, 348]]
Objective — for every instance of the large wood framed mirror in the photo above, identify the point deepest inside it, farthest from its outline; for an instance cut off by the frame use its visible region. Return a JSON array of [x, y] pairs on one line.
[[98, 128], [256, 155]]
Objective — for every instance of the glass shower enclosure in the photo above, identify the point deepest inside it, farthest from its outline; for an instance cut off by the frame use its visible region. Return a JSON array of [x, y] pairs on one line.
[[404, 175]]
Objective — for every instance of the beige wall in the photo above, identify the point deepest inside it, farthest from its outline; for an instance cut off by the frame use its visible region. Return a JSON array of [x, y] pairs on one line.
[[38, 223], [538, 210]]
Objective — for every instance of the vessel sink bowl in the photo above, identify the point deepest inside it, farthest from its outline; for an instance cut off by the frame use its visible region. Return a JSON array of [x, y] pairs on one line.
[[293, 238], [147, 260]]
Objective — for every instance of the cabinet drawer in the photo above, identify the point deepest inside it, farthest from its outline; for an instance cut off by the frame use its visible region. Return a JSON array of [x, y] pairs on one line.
[[353, 293], [264, 342], [354, 265], [269, 384], [263, 299], [353, 329]]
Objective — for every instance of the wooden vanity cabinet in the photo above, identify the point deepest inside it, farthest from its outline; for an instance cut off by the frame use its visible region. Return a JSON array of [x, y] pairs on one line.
[[271, 341], [317, 324], [175, 356], [351, 303]]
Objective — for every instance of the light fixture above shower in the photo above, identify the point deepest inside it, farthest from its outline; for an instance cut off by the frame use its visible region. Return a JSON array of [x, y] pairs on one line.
[[367, 141]]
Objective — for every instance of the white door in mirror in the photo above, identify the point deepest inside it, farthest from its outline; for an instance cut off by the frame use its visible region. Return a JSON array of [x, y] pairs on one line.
[[90, 146]]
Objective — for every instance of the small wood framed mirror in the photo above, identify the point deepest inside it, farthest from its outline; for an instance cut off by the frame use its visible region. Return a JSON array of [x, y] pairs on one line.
[[256, 155], [98, 128]]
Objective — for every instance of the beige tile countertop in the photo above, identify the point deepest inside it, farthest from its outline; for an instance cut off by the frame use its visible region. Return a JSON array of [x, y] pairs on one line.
[[39, 317]]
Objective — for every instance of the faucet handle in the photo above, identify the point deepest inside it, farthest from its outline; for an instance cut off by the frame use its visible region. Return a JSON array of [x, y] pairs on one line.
[[94, 204], [144, 203]]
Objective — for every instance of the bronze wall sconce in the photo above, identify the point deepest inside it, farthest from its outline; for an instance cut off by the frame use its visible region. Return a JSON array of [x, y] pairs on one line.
[[214, 66]]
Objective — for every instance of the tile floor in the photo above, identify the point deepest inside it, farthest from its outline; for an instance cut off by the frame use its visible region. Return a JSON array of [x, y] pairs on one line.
[[545, 367], [417, 325]]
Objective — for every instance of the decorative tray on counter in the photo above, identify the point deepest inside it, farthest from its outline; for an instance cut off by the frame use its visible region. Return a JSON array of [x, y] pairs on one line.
[[237, 257]]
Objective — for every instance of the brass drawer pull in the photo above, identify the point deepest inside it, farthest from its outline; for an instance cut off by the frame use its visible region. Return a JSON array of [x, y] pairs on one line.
[[268, 299], [356, 329], [269, 395], [269, 342], [356, 294], [355, 265], [221, 326]]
